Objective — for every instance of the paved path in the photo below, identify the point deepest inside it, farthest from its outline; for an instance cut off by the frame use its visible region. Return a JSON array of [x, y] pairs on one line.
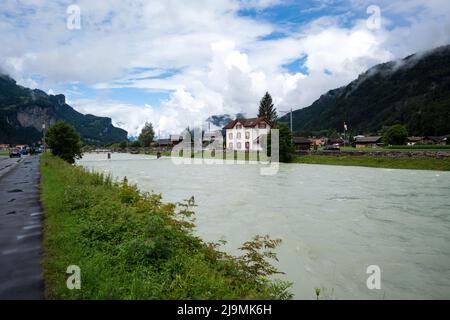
[[20, 230], [7, 163]]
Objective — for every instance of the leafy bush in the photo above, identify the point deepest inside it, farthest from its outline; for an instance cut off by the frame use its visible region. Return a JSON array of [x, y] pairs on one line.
[[131, 245], [395, 135], [64, 141]]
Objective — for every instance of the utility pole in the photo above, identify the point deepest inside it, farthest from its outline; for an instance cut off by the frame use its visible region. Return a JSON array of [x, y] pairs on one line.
[[290, 112], [43, 138], [292, 128]]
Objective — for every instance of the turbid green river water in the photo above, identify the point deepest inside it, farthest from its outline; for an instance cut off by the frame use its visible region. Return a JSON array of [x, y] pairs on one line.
[[334, 221]]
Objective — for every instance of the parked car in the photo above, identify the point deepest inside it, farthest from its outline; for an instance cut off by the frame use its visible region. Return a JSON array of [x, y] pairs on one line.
[[24, 152], [335, 147], [15, 153]]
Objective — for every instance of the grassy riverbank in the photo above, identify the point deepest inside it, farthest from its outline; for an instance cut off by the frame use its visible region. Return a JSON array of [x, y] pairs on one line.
[[377, 162], [130, 245]]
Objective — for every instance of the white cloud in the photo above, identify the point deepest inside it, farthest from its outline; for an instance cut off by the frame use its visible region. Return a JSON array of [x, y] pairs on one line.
[[221, 63]]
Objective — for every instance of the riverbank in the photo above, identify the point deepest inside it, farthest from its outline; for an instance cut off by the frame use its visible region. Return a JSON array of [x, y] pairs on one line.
[[419, 163], [130, 245], [397, 159], [412, 159]]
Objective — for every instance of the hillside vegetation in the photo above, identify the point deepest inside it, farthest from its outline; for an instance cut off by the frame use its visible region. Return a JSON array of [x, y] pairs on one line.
[[414, 91]]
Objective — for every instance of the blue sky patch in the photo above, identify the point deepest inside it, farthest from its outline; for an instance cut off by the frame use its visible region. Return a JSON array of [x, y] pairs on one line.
[[298, 65]]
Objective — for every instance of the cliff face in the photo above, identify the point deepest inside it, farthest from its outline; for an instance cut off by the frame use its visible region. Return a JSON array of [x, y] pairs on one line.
[[24, 111], [414, 91]]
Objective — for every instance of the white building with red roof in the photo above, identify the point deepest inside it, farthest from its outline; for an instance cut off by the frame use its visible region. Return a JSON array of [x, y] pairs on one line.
[[246, 134]]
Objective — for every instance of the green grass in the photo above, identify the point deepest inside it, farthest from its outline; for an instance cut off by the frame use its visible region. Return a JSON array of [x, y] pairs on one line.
[[131, 245], [402, 148], [381, 162], [4, 153], [420, 148]]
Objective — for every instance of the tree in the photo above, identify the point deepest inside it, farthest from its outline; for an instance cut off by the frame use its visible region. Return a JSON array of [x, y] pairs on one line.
[[147, 135], [395, 135], [135, 144], [123, 145], [266, 108], [286, 148], [64, 141]]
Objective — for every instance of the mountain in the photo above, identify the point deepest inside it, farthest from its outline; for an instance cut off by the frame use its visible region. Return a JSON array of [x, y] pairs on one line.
[[23, 112], [414, 91], [223, 119]]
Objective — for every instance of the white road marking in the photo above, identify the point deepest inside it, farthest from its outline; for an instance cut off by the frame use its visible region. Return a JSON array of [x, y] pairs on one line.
[[6, 252], [23, 236], [31, 226], [36, 214]]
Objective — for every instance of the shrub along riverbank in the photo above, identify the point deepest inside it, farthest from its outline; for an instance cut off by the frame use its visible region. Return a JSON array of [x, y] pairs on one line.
[[130, 245]]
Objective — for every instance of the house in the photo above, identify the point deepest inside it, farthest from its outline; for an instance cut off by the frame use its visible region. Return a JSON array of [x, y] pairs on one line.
[[368, 142], [410, 141], [336, 141], [319, 142], [213, 136], [176, 139], [164, 142], [301, 143], [440, 140], [245, 134]]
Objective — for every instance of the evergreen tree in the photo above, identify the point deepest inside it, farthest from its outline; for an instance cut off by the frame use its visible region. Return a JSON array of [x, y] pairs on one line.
[[266, 108], [285, 146]]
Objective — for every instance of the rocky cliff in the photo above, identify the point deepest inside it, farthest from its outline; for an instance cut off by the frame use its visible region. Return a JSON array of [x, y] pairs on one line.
[[23, 112]]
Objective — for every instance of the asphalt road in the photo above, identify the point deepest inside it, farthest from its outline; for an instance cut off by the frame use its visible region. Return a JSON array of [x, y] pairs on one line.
[[20, 229]]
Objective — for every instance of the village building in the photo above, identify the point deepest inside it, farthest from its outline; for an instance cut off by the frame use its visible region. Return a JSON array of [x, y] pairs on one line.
[[301, 143], [336, 141], [246, 134], [319, 142], [428, 140], [213, 136], [164, 142], [411, 141], [368, 142], [437, 140], [175, 139]]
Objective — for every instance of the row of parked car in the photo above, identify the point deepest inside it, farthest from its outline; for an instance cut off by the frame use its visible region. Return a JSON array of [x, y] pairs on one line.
[[17, 153]]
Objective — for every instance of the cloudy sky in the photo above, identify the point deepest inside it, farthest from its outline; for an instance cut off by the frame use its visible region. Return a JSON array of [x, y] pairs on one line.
[[174, 62]]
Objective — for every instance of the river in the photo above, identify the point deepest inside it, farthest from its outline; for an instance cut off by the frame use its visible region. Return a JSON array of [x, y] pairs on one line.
[[334, 221]]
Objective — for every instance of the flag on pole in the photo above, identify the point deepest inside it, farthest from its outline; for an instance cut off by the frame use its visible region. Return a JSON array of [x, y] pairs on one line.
[[345, 126]]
